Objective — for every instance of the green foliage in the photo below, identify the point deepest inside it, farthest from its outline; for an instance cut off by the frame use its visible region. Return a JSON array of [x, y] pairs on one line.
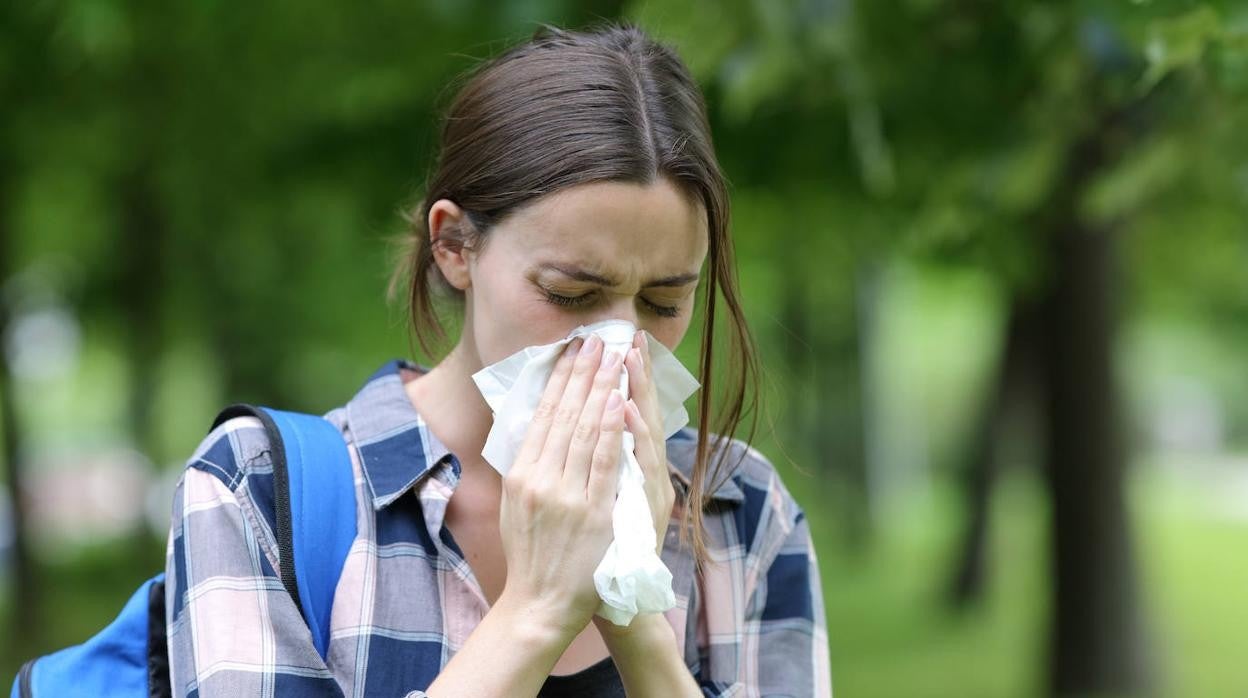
[[1197, 38]]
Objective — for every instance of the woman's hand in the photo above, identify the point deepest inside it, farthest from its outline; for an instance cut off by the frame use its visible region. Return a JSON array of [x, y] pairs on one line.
[[555, 512], [645, 420], [555, 523]]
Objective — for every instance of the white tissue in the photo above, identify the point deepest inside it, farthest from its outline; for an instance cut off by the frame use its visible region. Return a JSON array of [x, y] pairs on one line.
[[631, 578]]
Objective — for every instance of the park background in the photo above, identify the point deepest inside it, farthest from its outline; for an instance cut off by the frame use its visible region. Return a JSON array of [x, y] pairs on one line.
[[995, 255]]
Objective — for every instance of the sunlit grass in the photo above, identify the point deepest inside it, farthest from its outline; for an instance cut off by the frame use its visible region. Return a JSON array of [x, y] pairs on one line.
[[893, 634]]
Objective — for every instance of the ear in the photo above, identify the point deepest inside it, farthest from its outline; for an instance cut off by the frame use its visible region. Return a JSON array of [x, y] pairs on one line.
[[447, 226]]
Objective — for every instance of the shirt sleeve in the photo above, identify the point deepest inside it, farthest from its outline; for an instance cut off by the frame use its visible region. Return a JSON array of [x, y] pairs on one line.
[[785, 625], [784, 640], [783, 637], [232, 628]]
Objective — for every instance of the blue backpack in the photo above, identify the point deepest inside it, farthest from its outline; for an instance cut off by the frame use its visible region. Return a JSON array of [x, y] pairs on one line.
[[314, 497]]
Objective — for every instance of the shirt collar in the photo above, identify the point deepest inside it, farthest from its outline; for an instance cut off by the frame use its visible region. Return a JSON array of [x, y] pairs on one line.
[[397, 449]]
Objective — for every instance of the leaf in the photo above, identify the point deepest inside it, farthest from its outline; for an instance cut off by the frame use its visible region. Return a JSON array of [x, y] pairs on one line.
[[1179, 42]]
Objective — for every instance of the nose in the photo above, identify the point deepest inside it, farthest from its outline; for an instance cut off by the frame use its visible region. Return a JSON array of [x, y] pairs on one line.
[[623, 308]]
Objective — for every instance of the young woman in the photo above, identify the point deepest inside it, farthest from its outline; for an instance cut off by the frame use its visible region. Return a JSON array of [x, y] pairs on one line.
[[576, 182]]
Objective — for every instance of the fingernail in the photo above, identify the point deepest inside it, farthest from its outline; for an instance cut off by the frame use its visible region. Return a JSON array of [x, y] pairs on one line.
[[574, 346], [593, 342], [614, 400]]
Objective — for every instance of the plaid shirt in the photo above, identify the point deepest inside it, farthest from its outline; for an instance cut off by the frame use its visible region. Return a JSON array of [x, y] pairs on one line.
[[752, 624]]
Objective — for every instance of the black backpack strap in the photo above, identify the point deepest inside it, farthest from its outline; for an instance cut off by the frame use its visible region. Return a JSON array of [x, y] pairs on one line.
[[281, 493], [158, 680]]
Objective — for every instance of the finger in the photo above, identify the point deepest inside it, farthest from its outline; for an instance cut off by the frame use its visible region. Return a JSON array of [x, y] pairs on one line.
[[643, 392], [642, 342], [535, 436], [585, 436], [643, 447], [656, 417], [605, 465], [568, 413]]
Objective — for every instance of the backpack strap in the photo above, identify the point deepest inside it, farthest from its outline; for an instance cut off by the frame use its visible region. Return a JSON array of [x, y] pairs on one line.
[[314, 498]]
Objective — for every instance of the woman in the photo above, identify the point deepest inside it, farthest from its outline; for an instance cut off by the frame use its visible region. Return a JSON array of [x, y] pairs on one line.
[[576, 182]]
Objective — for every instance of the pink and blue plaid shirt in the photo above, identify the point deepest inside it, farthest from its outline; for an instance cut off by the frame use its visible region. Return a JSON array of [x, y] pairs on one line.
[[751, 624]]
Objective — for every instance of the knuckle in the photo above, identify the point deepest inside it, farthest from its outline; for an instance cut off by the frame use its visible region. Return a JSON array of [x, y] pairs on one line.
[[572, 501], [514, 483], [604, 458], [516, 489], [583, 367], [584, 432], [545, 411], [610, 427], [567, 414], [534, 495], [604, 380]]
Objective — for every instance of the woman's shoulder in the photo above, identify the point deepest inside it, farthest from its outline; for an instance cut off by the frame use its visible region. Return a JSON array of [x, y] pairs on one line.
[[238, 449], [233, 466], [747, 490], [232, 450]]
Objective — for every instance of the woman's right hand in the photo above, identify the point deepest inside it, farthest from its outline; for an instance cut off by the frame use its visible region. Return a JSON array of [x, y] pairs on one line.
[[555, 513]]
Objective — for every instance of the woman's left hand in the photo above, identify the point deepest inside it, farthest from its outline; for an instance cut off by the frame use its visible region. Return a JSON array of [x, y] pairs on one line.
[[643, 418], [648, 643]]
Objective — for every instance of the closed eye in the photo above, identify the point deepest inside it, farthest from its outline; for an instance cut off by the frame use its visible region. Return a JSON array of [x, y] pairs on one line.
[[587, 299]]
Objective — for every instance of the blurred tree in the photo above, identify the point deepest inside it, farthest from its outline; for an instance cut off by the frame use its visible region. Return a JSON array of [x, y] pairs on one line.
[[203, 172], [23, 72], [1008, 136]]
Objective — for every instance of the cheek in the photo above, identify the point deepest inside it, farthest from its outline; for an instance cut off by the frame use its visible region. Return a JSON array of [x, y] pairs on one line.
[[670, 332], [511, 319]]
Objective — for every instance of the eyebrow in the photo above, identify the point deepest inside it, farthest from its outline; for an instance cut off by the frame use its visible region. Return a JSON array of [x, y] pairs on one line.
[[580, 274]]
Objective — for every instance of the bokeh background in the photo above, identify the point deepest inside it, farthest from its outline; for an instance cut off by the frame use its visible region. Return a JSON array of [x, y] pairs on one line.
[[995, 254]]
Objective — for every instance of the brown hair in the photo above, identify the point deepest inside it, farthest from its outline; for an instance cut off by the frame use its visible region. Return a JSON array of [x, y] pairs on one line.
[[573, 107]]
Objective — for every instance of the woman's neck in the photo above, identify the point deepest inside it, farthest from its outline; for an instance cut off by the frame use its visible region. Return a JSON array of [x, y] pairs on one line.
[[451, 405]]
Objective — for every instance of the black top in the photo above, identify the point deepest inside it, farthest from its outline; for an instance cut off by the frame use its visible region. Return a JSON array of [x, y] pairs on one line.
[[598, 681]]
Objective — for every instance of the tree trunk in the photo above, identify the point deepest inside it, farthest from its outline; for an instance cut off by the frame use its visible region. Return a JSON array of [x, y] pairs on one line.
[[1014, 384], [1096, 638], [24, 597]]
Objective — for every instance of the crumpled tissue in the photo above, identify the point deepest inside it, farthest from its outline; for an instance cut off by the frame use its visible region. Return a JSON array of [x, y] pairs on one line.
[[631, 578]]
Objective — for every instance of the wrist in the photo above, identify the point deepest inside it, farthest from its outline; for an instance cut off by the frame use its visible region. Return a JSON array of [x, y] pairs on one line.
[[647, 629], [536, 621], [510, 652], [648, 656]]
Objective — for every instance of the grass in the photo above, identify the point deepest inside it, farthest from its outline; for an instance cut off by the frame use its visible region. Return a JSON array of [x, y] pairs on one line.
[[890, 629], [892, 633]]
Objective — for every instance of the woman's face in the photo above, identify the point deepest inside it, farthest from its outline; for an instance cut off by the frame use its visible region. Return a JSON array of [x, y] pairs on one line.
[[598, 251]]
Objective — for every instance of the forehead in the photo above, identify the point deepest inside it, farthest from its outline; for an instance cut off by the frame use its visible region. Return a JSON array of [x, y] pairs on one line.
[[624, 228]]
